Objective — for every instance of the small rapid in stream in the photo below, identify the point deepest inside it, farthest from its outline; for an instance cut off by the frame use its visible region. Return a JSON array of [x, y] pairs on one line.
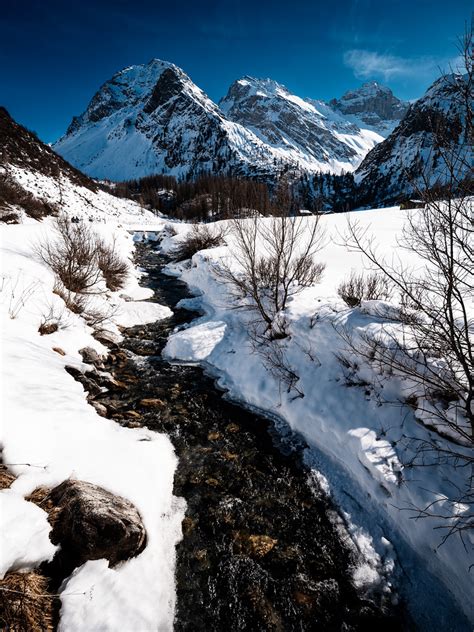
[[259, 549]]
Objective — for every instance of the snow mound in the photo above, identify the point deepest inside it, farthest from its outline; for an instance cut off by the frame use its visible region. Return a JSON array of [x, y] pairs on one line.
[[195, 343]]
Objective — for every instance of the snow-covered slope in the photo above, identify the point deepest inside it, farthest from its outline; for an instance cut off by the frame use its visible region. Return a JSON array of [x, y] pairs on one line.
[[304, 131], [47, 422], [372, 106], [36, 182], [152, 118], [412, 156], [48, 431]]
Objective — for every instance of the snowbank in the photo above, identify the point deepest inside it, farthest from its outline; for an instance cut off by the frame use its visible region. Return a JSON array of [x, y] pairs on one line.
[[356, 442], [50, 433]]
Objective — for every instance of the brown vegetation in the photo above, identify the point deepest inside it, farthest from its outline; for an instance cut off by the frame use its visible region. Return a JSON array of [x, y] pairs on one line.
[[360, 287], [79, 260], [25, 605], [114, 269], [13, 197]]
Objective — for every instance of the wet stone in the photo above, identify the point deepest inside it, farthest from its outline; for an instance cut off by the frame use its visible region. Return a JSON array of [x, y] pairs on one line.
[[254, 545], [152, 402]]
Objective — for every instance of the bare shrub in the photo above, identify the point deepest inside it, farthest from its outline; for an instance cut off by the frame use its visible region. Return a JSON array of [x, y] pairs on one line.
[[80, 260], [113, 267], [25, 604], [16, 294], [76, 303], [430, 342], [52, 320], [275, 360], [360, 287], [96, 316], [275, 263], [72, 256], [13, 195], [199, 238]]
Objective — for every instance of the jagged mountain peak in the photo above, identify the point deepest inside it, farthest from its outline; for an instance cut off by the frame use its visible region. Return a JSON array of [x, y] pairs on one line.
[[255, 90], [372, 105], [261, 86], [445, 86], [131, 86], [303, 131], [368, 88]]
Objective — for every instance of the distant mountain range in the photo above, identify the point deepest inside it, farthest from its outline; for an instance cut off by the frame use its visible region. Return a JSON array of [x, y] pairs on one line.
[[366, 149], [153, 119]]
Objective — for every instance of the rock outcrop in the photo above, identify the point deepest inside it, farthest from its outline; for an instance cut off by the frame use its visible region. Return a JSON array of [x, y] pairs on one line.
[[90, 523]]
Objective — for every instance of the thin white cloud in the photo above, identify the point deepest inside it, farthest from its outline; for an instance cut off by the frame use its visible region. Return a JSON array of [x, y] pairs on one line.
[[367, 64]]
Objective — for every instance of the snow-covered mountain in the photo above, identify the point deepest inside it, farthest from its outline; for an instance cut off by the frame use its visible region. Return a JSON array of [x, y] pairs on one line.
[[304, 131], [412, 156], [153, 119], [372, 106], [36, 182]]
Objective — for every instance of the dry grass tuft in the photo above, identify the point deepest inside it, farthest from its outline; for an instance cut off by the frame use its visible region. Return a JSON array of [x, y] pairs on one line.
[[6, 477], [25, 605]]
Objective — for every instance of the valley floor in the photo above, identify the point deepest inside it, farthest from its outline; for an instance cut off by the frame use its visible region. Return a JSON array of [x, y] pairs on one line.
[[357, 444]]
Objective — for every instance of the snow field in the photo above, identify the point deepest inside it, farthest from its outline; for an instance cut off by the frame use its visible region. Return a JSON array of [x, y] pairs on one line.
[[359, 443], [48, 424]]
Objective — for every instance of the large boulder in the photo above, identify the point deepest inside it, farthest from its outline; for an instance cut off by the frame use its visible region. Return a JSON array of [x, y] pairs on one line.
[[90, 523]]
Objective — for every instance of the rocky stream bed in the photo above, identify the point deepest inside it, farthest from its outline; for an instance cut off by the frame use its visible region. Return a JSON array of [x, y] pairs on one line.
[[259, 549]]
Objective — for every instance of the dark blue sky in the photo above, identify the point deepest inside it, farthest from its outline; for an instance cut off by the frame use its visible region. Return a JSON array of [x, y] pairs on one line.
[[54, 54]]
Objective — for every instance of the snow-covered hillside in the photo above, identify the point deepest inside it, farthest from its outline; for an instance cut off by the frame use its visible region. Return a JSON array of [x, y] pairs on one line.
[[152, 118], [49, 432], [413, 155], [359, 442], [32, 174]]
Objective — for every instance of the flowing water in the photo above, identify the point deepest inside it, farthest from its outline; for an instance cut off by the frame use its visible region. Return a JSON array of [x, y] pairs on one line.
[[259, 549]]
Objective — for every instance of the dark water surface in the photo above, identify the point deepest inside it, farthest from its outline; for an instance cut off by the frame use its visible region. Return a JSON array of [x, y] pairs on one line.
[[259, 550]]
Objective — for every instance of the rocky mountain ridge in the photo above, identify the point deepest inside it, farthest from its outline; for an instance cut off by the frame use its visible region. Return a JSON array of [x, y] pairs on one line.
[[372, 105], [152, 118]]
